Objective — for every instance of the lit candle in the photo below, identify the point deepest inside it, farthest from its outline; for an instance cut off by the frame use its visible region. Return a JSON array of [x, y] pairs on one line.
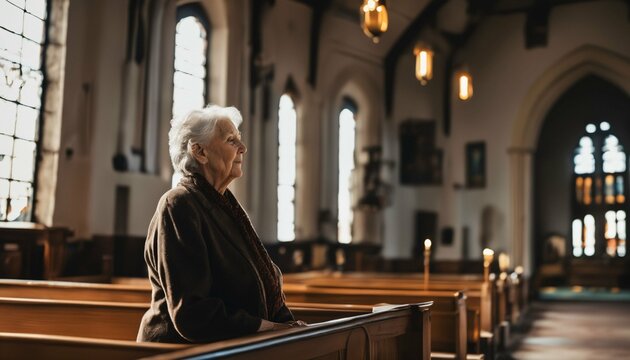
[[504, 262], [427, 257], [488, 255]]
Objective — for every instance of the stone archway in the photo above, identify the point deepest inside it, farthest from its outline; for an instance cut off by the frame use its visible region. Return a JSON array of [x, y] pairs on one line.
[[541, 96]]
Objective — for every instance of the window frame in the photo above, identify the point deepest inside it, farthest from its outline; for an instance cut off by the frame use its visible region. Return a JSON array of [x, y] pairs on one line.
[[347, 103], [295, 182], [597, 209], [195, 10], [31, 217]]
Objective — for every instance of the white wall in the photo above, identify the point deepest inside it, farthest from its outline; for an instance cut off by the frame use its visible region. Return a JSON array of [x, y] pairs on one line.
[[95, 55], [349, 64], [503, 72]]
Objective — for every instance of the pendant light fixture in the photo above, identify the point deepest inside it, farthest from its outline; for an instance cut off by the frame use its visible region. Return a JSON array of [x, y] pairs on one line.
[[374, 18], [424, 63], [464, 84]]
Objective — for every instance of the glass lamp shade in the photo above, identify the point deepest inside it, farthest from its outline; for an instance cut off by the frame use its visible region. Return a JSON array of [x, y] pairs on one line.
[[374, 18], [464, 85], [424, 63]]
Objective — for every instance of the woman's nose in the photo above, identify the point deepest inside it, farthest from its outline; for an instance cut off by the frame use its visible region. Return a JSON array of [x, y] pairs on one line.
[[241, 147]]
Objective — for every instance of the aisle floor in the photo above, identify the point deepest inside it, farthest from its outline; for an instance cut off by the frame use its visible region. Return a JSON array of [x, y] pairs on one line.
[[572, 330]]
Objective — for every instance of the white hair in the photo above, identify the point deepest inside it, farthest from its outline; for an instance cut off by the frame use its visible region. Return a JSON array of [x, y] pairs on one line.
[[196, 127]]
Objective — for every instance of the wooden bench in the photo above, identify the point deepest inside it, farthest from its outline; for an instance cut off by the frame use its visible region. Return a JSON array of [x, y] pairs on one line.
[[478, 302], [487, 304], [62, 290], [38, 346], [512, 294], [481, 329], [401, 333], [449, 333], [448, 313], [120, 320]]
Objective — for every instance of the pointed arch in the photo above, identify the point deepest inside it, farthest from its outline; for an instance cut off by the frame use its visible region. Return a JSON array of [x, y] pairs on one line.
[[547, 89], [554, 82], [362, 88]]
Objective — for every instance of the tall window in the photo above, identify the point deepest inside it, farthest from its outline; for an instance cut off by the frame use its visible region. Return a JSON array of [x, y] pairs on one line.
[[191, 54], [287, 142], [22, 44], [599, 205], [347, 135]]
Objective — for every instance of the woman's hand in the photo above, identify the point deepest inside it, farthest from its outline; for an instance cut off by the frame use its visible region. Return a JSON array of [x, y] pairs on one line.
[[266, 325], [298, 323]]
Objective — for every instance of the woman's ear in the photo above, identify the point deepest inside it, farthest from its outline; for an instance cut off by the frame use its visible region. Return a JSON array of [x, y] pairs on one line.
[[199, 154]]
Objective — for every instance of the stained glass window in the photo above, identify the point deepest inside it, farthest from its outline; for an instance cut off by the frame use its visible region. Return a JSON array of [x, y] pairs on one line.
[[589, 235], [584, 159], [191, 50], [621, 233], [22, 40], [577, 237], [346, 167], [599, 221], [287, 142]]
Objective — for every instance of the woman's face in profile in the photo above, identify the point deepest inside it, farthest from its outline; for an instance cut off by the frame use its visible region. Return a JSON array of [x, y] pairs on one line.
[[226, 151]]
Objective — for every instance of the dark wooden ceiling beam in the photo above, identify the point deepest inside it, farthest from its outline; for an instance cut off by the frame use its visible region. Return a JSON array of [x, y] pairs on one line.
[[537, 24], [319, 7], [255, 35]]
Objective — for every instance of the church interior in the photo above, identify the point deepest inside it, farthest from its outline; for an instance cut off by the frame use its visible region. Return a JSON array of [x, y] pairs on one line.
[[398, 152]]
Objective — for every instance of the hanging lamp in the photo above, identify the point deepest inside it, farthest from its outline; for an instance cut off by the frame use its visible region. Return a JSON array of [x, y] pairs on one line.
[[424, 63], [464, 84], [374, 18]]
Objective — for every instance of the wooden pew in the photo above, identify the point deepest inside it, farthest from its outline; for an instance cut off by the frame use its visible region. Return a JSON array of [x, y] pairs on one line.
[[140, 290], [401, 333], [120, 321], [38, 346], [90, 319], [487, 303], [449, 309], [61, 290], [477, 302], [481, 329], [55, 319], [450, 323], [514, 304]]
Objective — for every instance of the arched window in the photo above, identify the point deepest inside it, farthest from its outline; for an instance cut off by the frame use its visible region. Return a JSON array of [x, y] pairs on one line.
[[287, 143], [191, 58], [22, 41], [599, 201], [347, 137]]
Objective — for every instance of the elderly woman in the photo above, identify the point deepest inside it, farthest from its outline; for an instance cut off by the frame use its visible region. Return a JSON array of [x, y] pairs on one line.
[[211, 276]]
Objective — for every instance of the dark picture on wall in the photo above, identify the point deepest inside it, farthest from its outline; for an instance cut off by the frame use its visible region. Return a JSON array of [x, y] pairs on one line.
[[476, 165], [420, 161]]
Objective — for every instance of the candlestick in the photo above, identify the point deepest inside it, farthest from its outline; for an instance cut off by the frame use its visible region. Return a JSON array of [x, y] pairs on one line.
[[340, 259], [488, 255], [427, 257]]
